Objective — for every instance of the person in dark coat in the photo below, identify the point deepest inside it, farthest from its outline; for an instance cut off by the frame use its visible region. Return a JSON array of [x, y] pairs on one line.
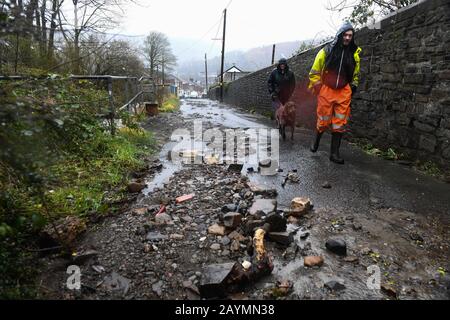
[[281, 84]]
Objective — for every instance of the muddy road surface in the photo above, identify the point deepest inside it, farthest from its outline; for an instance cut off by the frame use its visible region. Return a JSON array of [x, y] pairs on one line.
[[392, 222]]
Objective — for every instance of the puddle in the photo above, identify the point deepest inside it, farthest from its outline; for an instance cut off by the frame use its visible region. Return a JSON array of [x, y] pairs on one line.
[[196, 151]]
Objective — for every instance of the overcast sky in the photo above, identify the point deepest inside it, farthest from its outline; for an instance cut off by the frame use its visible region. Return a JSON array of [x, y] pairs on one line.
[[250, 23]]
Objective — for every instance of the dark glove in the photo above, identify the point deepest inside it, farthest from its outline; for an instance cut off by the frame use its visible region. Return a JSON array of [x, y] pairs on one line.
[[354, 89]]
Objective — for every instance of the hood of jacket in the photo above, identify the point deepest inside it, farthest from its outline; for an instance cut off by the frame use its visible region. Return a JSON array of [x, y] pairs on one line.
[[280, 62], [346, 26]]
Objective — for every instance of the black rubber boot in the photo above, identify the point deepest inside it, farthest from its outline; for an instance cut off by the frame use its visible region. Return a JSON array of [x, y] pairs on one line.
[[336, 138], [315, 144]]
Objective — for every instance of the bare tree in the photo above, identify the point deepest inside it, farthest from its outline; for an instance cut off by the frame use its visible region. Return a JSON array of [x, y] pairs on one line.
[[363, 11], [158, 53], [118, 57]]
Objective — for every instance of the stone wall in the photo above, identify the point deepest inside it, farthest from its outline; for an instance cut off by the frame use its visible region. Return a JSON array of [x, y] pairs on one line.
[[404, 95]]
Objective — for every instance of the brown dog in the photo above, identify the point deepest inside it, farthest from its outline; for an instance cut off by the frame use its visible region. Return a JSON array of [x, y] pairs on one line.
[[286, 116]]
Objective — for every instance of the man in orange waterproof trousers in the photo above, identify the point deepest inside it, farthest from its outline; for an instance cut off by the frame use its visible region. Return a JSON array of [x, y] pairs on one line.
[[334, 78]]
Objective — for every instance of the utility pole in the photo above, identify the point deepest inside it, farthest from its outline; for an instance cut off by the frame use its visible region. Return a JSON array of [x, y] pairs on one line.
[[273, 54], [223, 53], [206, 74], [163, 71]]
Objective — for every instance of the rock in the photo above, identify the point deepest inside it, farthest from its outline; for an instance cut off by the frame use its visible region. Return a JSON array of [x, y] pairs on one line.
[[276, 221], [337, 246], [246, 265], [157, 288], [134, 187], [283, 238], [214, 278], [147, 248], [235, 167], [312, 261], [229, 208], [225, 252], [304, 235], [389, 290], [257, 190], [235, 245], [265, 163], [81, 257], [163, 218], [236, 236], [189, 285], [225, 241], [356, 226], [292, 219], [293, 177], [216, 230], [334, 286], [215, 246], [300, 206], [156, 236], [250, 226], [115, 282], [232, 220], [416, 237], [98, 268], [326, 185], [186, 219], [67, 230], [140, 211], [306, 249], [264, 206], [351, 259], [176, 236], [282, 289]]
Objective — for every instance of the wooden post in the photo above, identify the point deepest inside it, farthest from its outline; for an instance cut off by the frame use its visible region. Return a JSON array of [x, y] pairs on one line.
[[273, 54], [111, 105]]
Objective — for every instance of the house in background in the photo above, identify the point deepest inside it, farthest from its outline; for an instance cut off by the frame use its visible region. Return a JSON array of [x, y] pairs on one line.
[[232, 74]]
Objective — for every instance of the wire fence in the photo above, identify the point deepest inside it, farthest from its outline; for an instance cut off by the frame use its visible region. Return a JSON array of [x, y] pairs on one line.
[[124, 93]]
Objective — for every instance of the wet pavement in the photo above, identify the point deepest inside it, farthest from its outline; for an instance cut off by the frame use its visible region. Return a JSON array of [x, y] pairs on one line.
[[391, 218], [379, 195]]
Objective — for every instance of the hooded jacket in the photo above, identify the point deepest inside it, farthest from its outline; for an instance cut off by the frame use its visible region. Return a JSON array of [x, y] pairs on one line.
[[281, 84], [337, 65]]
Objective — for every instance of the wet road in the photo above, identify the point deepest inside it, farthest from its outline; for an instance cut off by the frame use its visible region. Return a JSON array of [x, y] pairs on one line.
[[390, 201], [364, 179]]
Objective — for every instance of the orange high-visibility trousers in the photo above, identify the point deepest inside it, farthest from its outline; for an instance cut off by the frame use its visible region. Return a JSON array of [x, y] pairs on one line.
[[333, 108]]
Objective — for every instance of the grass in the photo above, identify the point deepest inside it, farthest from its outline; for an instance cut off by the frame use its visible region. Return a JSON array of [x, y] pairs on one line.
[[430, 168], [170, 103], [80, 189], [81, 186], [369, 148]]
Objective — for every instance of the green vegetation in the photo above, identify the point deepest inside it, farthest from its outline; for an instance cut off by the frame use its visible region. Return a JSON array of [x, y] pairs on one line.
[[171, 103], [429, 167], [57, 158], [369, 148]]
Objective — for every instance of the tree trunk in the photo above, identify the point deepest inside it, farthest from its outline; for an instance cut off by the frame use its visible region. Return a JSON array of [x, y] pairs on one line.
[[76, 58], [51, 36]]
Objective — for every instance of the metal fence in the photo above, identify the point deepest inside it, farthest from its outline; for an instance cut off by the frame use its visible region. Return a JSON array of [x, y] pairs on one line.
[[124, 93]]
